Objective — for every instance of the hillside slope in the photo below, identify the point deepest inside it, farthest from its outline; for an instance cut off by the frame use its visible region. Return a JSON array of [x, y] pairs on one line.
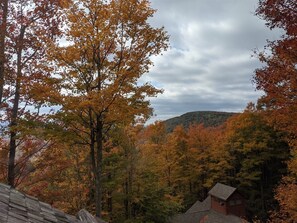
[[208, 118]]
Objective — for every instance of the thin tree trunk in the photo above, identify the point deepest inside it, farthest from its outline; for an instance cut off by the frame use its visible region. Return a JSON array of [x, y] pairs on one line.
[[109, 201], [3, 27], [128, 181], [169, 176], [128, 194], [99, 140], [93, 160], [14, 115], [262, 196], [130, 190], [126, 199]]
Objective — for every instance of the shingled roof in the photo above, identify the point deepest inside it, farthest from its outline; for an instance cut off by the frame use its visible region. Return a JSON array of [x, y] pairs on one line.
[[200, 206], [222, 191], [210, 216], [16, 207]]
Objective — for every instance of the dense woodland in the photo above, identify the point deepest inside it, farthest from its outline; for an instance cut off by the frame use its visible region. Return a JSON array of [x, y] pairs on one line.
[[73, 114]]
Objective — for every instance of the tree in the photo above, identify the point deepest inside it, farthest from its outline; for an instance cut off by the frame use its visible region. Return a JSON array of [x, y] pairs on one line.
[[257, 156], [278, 79], [120, 165], [110, 44], [3, 160], [28, 28], [3, 29], [181, 157], [60, 177], [155, 196], [214, 151], [286, 196], [206, 163]]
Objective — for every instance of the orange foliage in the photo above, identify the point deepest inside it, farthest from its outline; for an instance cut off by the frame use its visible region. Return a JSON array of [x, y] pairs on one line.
[[110, 44], [286, 196], [278, 79], [60, 177], [3, 161]]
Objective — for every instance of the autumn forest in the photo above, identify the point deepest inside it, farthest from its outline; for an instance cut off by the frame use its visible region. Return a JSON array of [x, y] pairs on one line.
[[73, 114]]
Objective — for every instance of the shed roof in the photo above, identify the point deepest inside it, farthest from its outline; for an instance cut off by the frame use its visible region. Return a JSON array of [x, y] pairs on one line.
[[216, 217], [16, 207], [222, 191], [188, 218], [200, 206], [210, 216]]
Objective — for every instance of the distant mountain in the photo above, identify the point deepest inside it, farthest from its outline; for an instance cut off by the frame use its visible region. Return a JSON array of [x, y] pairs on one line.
[[208, 118]]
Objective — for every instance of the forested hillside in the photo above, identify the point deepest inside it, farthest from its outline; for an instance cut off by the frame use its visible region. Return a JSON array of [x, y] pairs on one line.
[[207, 118], [149, 174]]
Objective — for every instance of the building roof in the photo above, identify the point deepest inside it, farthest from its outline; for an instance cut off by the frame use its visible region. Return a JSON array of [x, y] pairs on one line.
[[216, 217], [200, 206], [188, 218], [16, 207], [209, 216], [86, 217], [222, 191]]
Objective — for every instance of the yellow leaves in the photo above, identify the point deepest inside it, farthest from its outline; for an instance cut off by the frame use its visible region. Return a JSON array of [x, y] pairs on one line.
[[293, 162], [84, 104], [96, 76], [109, 54], [65, 3]]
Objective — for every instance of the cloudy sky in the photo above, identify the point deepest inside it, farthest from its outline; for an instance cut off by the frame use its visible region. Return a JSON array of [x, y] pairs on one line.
[[209, 66]]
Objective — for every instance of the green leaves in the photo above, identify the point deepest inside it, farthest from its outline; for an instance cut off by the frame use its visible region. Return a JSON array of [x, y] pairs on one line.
[[258, 158]]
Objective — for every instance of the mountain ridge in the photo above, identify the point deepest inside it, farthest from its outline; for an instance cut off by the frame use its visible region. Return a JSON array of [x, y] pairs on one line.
[[208, 118]]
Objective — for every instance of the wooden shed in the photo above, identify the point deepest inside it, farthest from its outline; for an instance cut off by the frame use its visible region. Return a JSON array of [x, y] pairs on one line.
[[227, 200], [224, 204]]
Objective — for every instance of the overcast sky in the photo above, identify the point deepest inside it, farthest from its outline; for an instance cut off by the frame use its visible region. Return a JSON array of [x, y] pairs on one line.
[[209, 66]]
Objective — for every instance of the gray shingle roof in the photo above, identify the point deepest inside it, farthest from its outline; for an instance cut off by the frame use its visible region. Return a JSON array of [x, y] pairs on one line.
[[85, 216], [188, 218], [210, 216], [216, 217], [16, 207], [200, 206], [222, 191]]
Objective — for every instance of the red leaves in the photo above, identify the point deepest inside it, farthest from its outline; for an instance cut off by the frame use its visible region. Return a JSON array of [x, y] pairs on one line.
[[279, 81], [279, 13], [279, 76]]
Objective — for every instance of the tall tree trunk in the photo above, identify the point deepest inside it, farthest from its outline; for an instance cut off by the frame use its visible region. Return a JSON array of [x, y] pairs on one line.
[[262, 196], [109, 201], [127, 200], [3, 27], [15, 108], [93, 158], [130, 190], [98, 176], [128, 182], [128, 194]]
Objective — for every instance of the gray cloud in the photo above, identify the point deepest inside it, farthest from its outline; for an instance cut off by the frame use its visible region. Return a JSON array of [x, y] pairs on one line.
[[209, 65]]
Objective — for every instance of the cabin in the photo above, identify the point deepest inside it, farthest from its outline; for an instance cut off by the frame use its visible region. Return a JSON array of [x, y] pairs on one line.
[[224, 204], [227, 200], [16, 207]]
